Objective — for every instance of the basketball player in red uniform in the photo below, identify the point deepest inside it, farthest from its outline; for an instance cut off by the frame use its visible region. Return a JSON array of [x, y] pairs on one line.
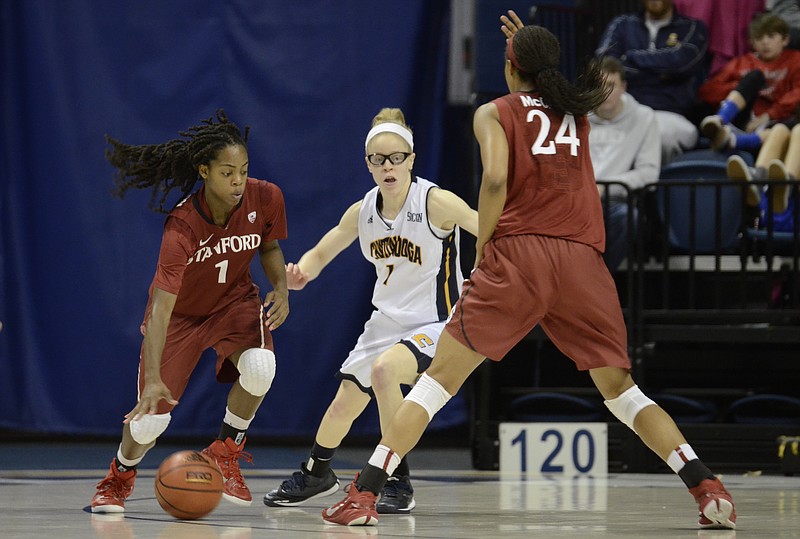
[[203, 295], [538, 261]]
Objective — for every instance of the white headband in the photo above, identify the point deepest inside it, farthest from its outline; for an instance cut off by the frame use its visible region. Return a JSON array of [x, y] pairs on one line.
[[389, 127]]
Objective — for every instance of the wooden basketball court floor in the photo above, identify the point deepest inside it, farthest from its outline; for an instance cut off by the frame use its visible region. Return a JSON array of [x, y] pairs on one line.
[[45, 491]]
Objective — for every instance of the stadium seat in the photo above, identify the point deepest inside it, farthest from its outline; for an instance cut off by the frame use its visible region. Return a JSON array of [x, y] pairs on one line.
[[556, 407], [701, 184], [766, 409], [686, 410]]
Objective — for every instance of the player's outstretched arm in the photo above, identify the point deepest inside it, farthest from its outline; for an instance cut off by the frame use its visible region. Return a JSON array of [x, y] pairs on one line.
[[155, 336], [446, 209]]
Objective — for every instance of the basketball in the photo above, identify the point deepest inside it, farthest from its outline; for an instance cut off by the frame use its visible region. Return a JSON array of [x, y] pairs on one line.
[[188, 485]]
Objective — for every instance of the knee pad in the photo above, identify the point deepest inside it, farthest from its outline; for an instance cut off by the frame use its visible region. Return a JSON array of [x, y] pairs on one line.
[[429, 394], [147, 428], [256, 371], [628, 405]]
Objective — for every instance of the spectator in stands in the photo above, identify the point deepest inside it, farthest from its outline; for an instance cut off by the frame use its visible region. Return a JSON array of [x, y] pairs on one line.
[[789, 11], [625, 146], [779, 159], [664, 57], [753, 91], [727, 28]]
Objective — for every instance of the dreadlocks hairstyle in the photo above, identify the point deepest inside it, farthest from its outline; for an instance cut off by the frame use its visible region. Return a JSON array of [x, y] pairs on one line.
[[536, 54], [173, 164]]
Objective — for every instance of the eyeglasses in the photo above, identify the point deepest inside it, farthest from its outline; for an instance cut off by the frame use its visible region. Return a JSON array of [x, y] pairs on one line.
[[395, 158]]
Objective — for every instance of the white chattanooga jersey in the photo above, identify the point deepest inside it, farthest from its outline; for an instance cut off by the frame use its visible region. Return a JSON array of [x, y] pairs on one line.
[[417, 265]]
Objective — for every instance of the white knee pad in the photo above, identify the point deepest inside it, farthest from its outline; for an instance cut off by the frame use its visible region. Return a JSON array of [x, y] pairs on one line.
[[429, 394], [628, 405], [147, 428], [256, 371]]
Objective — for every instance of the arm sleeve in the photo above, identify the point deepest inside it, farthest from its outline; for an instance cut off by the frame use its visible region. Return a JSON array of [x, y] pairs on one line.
[[647, 164], [611, 43], [720, 85], [647, 161], [683, 59]]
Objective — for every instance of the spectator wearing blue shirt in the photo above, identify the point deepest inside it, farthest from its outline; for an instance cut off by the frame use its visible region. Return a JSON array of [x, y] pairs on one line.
[[664, 56]]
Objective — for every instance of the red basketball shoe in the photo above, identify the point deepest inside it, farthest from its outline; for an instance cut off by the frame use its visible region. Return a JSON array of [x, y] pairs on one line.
[[227, 454], [716, 505], [357, 509], [113, 490]]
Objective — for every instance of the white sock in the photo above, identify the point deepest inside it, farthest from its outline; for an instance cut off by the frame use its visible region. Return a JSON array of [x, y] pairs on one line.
[[235, 421], [680, 456], [128, 463], [385, 459]]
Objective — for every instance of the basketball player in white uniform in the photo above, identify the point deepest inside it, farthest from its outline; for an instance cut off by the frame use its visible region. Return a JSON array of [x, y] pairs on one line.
[[409, 229]]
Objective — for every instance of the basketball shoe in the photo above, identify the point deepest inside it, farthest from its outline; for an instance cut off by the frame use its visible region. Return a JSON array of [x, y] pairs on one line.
[[356, 509], [718, 134], [397, 496], [227, 454], [113, 490], [780, 199], [737, 170], [716, 505], [302, 487]]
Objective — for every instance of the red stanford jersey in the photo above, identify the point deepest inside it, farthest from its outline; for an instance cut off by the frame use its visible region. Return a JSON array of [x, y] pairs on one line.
[[208, 266], [551, 187]]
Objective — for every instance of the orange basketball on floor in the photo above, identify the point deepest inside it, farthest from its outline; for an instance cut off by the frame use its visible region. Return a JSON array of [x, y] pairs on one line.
[[188, 485]]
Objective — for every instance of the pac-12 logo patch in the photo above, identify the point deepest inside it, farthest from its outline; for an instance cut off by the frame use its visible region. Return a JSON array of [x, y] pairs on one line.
[[251, 217]]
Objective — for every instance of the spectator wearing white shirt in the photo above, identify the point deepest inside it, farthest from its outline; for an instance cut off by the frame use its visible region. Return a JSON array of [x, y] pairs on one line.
[[625, 146]]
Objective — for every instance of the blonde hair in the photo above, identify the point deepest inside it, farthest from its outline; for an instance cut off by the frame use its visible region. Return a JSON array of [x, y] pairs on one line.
[[395, 117], [392, 115]]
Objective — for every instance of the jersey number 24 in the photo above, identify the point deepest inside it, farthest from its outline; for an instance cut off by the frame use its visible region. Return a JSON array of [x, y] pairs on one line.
[[566, 134]]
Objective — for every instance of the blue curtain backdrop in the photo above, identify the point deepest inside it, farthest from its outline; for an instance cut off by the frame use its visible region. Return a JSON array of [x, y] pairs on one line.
[[76, 263]]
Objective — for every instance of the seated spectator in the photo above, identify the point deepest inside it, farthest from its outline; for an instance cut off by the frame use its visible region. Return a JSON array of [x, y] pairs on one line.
[[753, 91], [625, 146], [664, 55], [779, 159], [789, 11]]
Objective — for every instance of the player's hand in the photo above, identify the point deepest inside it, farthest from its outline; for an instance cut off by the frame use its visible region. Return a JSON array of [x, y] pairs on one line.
[[152, 394], [296, 279], [511, 23], [277, 305]]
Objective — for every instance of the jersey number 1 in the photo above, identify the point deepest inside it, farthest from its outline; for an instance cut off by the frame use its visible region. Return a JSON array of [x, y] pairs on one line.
[[223, 271]]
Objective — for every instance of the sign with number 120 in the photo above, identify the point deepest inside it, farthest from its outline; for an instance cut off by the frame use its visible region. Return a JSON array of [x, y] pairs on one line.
[[554, 448]]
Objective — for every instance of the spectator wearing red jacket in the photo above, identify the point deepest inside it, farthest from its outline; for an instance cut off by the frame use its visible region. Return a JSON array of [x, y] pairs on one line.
[[754, 91]]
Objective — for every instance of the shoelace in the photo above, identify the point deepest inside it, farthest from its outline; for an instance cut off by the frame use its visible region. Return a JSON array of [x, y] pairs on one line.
[[364, 500], [112, 485], [229, 462], [393, 487], [390, 488], [298, 479]]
